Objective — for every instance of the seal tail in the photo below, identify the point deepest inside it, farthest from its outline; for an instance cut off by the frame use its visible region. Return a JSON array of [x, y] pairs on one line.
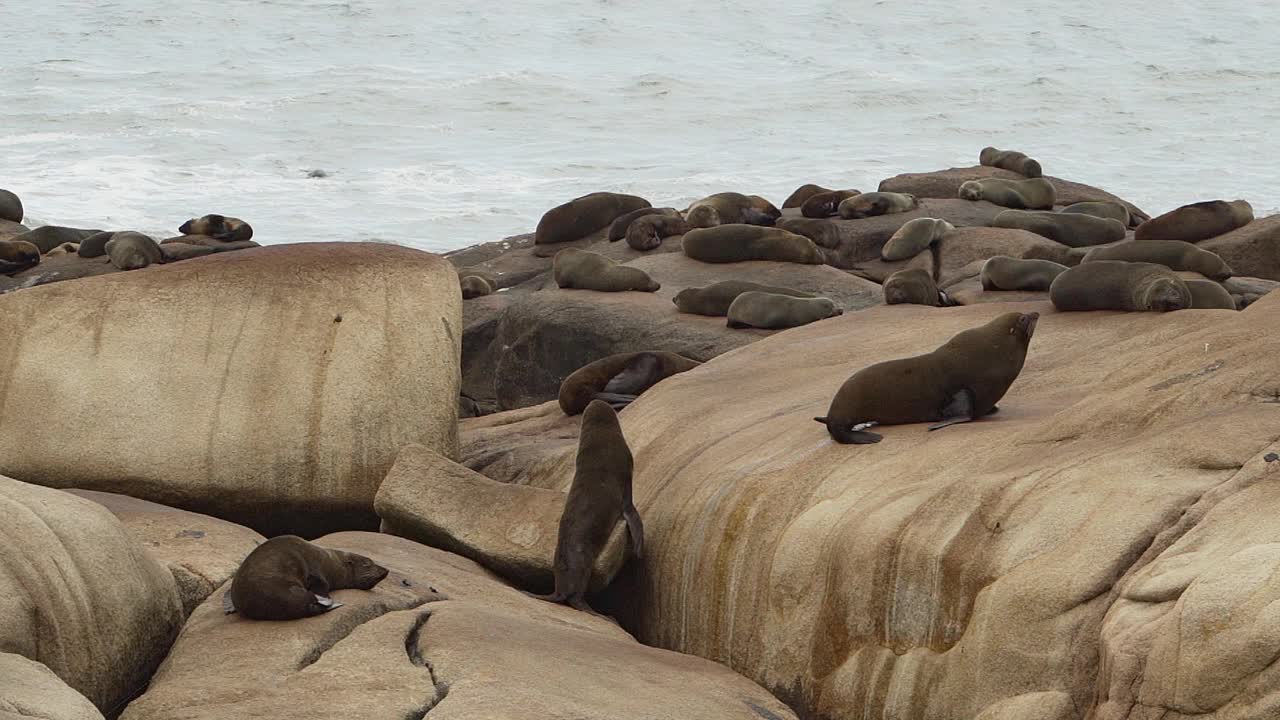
[[851, 435]]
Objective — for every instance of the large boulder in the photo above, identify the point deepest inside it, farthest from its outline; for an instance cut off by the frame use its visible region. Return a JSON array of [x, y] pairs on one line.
[[513, 446], [271, 387], [454, 642], [31, 690], [1252, 250], [81, 596]]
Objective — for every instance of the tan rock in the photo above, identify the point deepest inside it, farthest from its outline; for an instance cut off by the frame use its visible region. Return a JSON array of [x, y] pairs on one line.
[[271, 387], [512, 446], [1252, 250], [31, 690]]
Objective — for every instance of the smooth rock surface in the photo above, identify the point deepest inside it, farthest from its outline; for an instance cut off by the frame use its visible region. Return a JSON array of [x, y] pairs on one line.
[[28, 690], [1252, 250]]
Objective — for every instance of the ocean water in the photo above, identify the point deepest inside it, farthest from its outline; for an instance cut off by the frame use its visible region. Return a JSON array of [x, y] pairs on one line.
[[446, 123]]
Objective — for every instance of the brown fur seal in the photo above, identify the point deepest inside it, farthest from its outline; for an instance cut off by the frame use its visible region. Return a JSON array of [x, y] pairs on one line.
[[10, 206], [95, 245], [736, 243], [873, 204], [823, 233], [646, 233], [619, 379], [1001, 272], [1197, 221], [474, 286], [64, 249], [206, 241], [286, 578], [1209, 295], [728, 208], [1071, 229], [1116, 285], [599, 497], [618, 228], [16, 256], [1102, 209], [218, 227], [174, 252], [826, 204], [584, 215], [1010, 160], [959, 382], [583, 270], [769, 311], [133, 251], [714, 300], [49, 237], [1032, 194], [916, 287], [802, 193], [913, 238], [1173, 254], [761, 205]]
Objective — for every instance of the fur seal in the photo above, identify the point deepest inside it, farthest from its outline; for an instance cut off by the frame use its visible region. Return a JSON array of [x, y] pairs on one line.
[[826, 204], [913, 238], [728, 208], [959, 382], [1173, 254], [218, 227], [1101, 209], [286, 578], [474, 286], [95, 245], [584, 270], [1071, 229], [759, 204], [823, 233], [174, 252], [802, 193], [10, 206], [65, 249], [1031, 194], [1197, 221], [714, 300], [1117, 285], [16, 256], [599, 497], [646, 233], [1001, 272], [1010, 160], [619, 379], [49, 237], [736, 243], [206, 241], [618, 228], [133, 251], [584, 215], [916, 287], [770, 311], [877, 203], [1207, 294]]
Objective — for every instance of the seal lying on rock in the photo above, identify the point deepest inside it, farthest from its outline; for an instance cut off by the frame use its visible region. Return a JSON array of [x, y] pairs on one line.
[[218, 227], [728, 208], [1011, 160], [823, 233], [1101, 209], [959, 382], [1071, 229], [619, 379], [775, 312], [584, 215], [10, 206], [583, 270], [16, 256], [1197, 221], [599, 496], [738, 243], [646, 233], [915, 287], [133, 251], [914, 238], [1001, 272], [1032, 194], [286, 578], [1173, 254], [49, 237], [176, 251], [1209, 295], [797, 198], [873, 204], [826, 204], [1117, 285], [714, 300], [474, 286], [618, 228]]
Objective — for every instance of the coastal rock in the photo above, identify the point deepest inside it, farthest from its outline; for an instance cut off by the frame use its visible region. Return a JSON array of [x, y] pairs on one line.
[[9, 229], [270, 387], [1252, 250], [80, 595], [31, 690], [513, 446]]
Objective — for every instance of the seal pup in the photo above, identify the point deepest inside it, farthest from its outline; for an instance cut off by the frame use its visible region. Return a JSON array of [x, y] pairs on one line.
[[1001, 272], [1209, 295], [1010, 160], [599, 497], [737, 243], [618, 228], [10, 206], [825, 204], [16, 256], [584, 270], [728, 208], [218, 227], [49, 237], [802, 193], [583, 216], [133, 251], [1071, 229], [915, 287], [286, 578], [1032, 194], [913, 238], [1173, 254], [714, 300], [646, 233], [474, 286], [619, 378], [64, 249], [1197, 221], [1101, 209], [1118, 285], [873, 204], [769, 311], [959, 382]]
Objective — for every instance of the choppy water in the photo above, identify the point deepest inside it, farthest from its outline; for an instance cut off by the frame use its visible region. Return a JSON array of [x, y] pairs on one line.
[[447, 123]]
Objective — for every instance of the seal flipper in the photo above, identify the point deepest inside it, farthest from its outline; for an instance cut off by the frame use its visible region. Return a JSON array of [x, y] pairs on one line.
[[959, 410], [616, 400], [853, 435], [635, 528], [228, 606]]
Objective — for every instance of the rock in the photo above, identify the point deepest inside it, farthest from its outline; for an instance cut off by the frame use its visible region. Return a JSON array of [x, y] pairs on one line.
[[456, 643], [271, 387], [31, 690], [1252, 250], [963, 246], [512, 446], [80, 595], [201, 552]]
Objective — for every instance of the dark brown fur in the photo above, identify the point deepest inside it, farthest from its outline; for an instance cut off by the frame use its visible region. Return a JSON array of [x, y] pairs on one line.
[[802, 193], [1197, 221], [736, 243], [218, 227], [1173, 254], [646, 233], [583, 270], [584, 215], [1010, 160], [714, 300], [1118, 285], [618, 229], [1070, 229], [825, 204], [282, 577], [16, 256], [915, 287], [638, 371]]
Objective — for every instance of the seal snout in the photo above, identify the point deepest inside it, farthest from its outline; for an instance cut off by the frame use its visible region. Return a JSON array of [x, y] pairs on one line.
[[185, 228]]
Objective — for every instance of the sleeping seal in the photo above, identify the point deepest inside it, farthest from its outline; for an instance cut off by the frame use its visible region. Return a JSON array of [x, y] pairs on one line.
[[286, 578]]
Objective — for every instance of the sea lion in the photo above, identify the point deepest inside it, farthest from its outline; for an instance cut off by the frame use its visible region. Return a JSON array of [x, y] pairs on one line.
[[599, 497], [714, 300], [916, 287], [49, 237], [1117, 285], [802, 193], [286, 578], [1197, 221], [474, 286], [133, 251], [173, 252], [646, 233], [1207, 294], [584, 215], [959, 382], [736, 243], [1011, 160], [206, 241], [826, 204], [1071, 229], [95, 245], [1001, 272], [761, 205], [64, 249], [1173, 254], [618, 228], [16, 256], [770, 311], [1101, 209], [1032, 194], [583, 270], [823, 233], [727, 208], [619, 379], [913, 238], [873, 204], [10, 206], [218, 227]]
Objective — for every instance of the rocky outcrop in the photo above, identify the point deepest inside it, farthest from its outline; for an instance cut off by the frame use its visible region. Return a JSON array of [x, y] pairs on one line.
[[1252, 250], [271, 387], [513, 446], [31, 690]]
